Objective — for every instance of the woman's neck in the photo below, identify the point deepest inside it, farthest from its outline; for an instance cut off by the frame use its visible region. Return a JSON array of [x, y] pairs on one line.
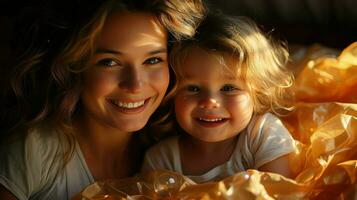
[[109, 152], [100, 136]]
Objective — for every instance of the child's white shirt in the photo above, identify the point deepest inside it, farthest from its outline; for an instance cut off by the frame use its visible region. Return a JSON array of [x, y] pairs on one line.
[[264, 140]]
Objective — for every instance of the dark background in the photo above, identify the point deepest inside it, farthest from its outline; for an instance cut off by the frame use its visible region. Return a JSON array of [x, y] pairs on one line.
[[332, 23]]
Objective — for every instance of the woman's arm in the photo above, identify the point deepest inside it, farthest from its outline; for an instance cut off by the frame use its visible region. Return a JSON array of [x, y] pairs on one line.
[[279, 165], [6, 194]]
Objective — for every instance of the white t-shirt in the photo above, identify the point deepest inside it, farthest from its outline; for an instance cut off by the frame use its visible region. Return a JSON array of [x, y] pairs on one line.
[[31, 167], [264, 140]]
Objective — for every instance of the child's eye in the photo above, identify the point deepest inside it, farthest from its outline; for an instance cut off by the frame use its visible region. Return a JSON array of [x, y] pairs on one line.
[[107, 62], [152, 61], [192, 88], [228, 88]]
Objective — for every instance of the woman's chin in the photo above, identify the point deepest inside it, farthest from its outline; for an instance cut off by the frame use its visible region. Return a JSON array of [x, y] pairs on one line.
[[131, 126]]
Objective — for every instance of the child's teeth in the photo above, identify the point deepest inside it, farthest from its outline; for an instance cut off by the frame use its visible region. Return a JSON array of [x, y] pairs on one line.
[[211, 120]]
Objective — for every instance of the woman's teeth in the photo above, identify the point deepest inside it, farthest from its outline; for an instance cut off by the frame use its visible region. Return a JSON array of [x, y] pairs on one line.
[[129, 105]]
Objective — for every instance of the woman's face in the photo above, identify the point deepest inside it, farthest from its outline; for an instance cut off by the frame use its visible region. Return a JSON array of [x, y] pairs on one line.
[[128, 74]]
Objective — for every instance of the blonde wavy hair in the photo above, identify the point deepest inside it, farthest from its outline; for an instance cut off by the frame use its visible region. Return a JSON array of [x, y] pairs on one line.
[[47, 83], [261, 60]]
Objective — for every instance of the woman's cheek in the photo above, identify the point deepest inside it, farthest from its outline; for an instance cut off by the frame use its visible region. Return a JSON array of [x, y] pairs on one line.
[[160, 78], [102, 83]]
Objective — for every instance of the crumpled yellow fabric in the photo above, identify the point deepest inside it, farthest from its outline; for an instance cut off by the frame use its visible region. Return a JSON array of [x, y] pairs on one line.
[[324, 124], [325, 78]]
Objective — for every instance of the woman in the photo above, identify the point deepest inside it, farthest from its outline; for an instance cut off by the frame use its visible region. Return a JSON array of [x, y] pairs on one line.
[[97, 90]]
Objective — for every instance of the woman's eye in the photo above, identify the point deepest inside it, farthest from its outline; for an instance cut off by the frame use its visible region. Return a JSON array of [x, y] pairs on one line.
[[228, 88], [152, 61], [107, 62], [192, 88]]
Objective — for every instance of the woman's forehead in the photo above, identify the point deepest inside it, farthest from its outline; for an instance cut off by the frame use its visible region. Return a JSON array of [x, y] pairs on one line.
[[132, 30]]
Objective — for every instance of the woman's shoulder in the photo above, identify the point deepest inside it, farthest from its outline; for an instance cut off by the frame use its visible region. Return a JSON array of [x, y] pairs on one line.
[[45, 135], [40, 139], [27, 160]]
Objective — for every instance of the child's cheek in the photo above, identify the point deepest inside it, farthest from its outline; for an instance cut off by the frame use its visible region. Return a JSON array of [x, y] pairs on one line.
[[246, 100], [243, 103], [182, 103]]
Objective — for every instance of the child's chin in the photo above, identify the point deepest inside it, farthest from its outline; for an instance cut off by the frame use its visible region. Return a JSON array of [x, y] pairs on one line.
[[212, 139]]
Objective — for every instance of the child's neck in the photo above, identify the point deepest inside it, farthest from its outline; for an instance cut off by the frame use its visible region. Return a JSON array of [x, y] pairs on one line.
[[198, 157]]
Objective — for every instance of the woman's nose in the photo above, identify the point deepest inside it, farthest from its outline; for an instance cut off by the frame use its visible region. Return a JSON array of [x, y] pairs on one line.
[[209, 102], [132, 80]]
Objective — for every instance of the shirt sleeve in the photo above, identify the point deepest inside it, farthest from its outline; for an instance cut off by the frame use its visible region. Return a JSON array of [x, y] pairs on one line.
[[269, 140], [25, 169], [20, 167], [148, 163], [161, 156]]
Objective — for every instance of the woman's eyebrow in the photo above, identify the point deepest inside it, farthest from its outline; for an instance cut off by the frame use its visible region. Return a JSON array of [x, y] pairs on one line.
[[110, 51], [163, 50]]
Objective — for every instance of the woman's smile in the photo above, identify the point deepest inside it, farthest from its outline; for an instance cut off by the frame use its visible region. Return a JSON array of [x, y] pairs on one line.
[[129, 107]]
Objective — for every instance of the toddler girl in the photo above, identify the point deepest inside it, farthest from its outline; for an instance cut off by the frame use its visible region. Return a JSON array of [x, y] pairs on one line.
[[230, 78]]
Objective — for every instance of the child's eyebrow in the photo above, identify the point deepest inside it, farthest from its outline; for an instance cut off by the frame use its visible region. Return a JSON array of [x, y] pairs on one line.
[[185, 80], [230, 77]]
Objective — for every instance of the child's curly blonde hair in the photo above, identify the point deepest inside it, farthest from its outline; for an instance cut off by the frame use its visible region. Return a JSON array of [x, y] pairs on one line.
[[261, 60]]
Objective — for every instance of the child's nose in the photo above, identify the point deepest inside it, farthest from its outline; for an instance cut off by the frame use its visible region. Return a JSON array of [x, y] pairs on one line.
[[209, 102]]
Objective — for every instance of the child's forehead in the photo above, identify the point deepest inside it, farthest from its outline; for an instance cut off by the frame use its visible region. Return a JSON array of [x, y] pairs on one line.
[[211, 77], [199, 54], [199, 60]]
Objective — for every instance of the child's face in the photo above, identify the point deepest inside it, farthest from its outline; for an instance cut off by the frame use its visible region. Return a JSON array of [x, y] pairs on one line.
[[211, 104], [128, 74]]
